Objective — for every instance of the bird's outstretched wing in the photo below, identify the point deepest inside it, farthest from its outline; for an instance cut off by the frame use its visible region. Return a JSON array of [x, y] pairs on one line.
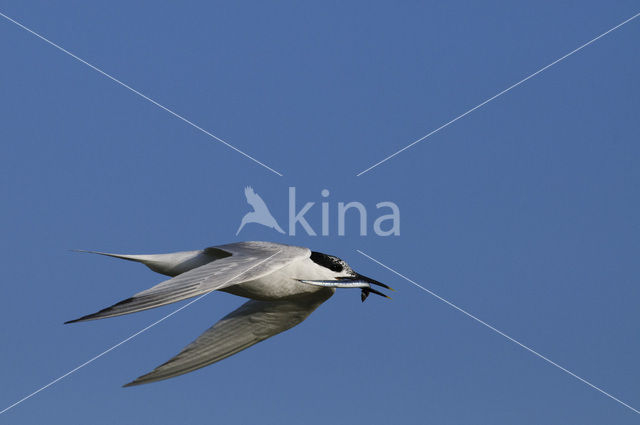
[[248, 261], [255, 200], [253, 322]]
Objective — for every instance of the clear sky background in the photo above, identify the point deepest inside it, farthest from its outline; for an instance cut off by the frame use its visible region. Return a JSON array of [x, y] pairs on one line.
[[526, 212]]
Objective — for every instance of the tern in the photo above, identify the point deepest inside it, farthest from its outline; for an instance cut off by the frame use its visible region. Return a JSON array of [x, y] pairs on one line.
[[284, 283]]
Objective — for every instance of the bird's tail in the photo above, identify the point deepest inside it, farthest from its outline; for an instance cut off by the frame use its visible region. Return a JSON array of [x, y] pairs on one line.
[[167, 264], [144, 259]]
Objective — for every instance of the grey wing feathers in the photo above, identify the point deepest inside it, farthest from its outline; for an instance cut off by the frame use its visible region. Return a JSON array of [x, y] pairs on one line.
[[183, 286], [249, 260], [253, 322]]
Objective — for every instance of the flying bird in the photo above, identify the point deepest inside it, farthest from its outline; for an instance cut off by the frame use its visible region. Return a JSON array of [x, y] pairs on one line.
[[284, 283], [260, 213]]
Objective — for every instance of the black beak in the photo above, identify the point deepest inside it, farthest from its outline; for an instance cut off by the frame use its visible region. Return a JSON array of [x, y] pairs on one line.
[[352, 281], [358, 276], [366, 291]]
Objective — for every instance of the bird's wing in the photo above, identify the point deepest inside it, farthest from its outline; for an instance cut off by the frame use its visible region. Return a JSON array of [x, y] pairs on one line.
[[255, 200], [253, 322], [248, 261]]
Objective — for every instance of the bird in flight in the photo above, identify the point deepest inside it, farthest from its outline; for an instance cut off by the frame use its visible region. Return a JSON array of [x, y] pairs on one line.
[[284, 283], [260, 213]]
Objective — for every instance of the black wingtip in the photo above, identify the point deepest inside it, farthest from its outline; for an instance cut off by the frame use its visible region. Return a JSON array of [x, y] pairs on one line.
[[100, 314], [80, 319], [141, 380], [83, 318]]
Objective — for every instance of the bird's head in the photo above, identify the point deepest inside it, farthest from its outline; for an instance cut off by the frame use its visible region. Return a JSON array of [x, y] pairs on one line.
[[345, 276]]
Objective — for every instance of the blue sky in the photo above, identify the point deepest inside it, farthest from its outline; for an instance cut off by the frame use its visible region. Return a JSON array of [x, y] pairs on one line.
[[524, 213]]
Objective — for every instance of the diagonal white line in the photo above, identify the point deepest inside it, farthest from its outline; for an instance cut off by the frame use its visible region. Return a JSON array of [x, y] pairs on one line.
[[127, 339], [498, 95], [499, 332], [175, 114]]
